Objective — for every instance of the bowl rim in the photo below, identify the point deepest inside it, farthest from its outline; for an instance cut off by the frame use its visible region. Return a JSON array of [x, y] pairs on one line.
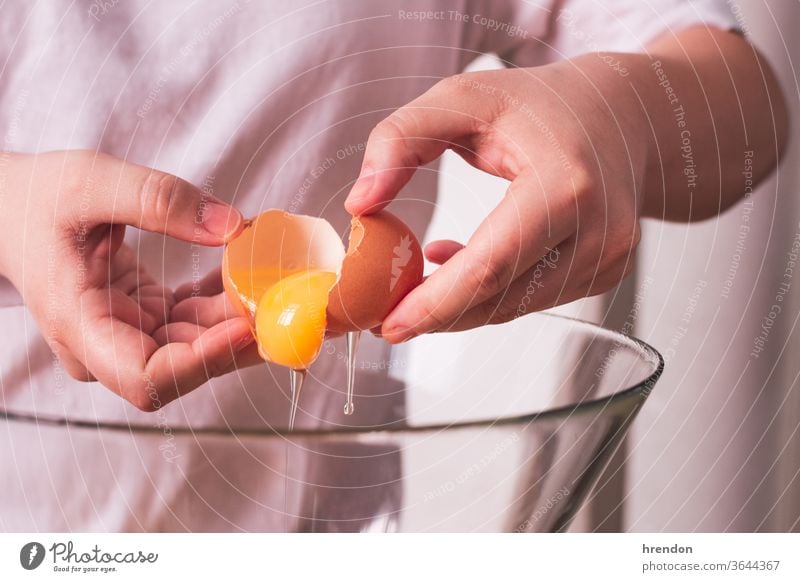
[[641, 389]]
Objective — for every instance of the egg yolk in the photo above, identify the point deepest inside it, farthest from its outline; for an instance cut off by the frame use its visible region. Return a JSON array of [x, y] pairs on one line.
[[290, 318]]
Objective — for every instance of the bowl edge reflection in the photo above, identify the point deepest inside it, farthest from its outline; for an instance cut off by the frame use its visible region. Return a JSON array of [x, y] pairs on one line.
[[639, 390]]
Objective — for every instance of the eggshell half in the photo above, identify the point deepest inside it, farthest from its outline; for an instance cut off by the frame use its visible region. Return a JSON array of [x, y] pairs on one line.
[[272, 246], [383, 264]]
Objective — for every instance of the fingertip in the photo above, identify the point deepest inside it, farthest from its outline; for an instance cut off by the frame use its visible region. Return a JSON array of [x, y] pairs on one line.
[[440, 251], [240, 332], [395, 328], [397, 333], [235, 224], [358, 199], [353, 206], [220, 219], [245, 341], [365, 207], [232, 334], [371, 193]]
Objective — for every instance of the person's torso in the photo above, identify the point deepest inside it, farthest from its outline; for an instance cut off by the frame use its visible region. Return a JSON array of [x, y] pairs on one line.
[[263, 104]]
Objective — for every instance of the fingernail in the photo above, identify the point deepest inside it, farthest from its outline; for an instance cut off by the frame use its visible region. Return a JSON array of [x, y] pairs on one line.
[[244, 342], [399, 333], [361, 188], [220, 219]]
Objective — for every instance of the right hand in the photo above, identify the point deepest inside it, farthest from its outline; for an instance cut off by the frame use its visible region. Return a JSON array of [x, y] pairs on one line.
[[63, 221]]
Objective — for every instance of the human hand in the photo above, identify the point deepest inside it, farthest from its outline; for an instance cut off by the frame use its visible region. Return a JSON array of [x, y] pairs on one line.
[[569, 140], [101, 312]]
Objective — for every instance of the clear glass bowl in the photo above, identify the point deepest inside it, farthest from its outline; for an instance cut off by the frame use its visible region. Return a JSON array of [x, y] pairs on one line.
[[511, 440]]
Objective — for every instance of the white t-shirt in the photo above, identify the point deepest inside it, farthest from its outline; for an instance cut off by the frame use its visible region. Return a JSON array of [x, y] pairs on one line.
[[267, 104]]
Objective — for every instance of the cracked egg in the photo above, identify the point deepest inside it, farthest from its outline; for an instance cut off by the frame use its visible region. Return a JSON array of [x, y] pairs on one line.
[[292, 278]]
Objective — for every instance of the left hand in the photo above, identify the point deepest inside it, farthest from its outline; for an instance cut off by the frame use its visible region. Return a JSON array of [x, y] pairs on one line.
[[569, 137], [99, 309]]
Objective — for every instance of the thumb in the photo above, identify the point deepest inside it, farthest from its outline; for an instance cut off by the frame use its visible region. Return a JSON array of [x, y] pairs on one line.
[[122, 192], [410, 137]]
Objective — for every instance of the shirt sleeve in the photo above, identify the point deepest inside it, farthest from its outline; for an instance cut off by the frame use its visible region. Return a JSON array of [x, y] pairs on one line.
[[575, 27]]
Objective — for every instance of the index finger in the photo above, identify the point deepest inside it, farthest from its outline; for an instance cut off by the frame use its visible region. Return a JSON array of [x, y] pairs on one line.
[[412, 136]]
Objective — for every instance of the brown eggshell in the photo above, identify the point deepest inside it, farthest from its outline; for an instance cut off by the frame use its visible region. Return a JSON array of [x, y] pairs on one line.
[[383, 264]]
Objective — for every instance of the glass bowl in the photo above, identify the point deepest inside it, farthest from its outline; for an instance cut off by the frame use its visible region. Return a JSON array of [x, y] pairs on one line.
[[502, 429]]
